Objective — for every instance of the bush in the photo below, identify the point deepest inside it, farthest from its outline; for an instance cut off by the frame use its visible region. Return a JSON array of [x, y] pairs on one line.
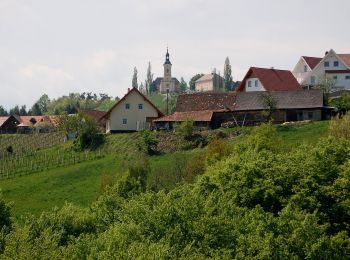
[[5, 214], [216, 150], [148, 142], [340, 128], [185, 130]]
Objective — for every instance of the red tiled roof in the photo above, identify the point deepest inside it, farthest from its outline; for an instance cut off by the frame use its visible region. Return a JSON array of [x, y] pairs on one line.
[[345, 58], [312, 61], [198, 116], [3, 120], [23, 125], [96, 114], [272, 79], [27, 120]]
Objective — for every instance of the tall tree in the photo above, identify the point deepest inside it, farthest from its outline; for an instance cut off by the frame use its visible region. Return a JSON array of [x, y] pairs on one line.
[[35, 110], [3, 111], [43, 103], [149, 80], [193, 81], [183, 85], [23, 111], [14, 111], [228, 83], [134, 79]]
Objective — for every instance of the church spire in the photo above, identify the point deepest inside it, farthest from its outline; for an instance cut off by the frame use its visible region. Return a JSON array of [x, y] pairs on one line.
[[167, 57]]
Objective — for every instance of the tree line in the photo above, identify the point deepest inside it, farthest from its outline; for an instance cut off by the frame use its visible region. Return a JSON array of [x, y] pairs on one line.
[[63, 105]]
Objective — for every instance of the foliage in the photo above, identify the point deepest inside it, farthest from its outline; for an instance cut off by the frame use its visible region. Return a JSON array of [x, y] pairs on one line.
[[342, 103], [5, 214], [270, 105], [149, 79], [193, 81], [228, 83], [216, 150], [148, 142], [327, 84], [185, 130], [263, 137], [134, 83], [340, 128], [183, 85], [3, 111]]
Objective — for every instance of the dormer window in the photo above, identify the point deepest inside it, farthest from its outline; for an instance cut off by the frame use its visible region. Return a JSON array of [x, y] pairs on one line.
[[326, 64], [336, 64], [127, 106], [305, 68]]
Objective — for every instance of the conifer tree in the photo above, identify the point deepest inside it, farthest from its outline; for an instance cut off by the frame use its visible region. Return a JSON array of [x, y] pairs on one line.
[[134, 79], [228, 75], [149, 80]]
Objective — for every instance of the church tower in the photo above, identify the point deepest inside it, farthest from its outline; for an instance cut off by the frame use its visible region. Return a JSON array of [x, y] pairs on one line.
[[167, 66], [167, 81]]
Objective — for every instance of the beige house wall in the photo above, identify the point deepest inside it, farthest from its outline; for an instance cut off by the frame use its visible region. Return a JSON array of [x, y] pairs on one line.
[[136, 118], [204, 86]]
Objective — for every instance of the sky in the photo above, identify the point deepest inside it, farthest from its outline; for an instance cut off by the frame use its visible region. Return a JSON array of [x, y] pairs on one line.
[[58, 47]]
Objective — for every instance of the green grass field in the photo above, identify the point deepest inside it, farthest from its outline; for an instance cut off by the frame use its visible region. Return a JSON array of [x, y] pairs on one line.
[[79, 183]]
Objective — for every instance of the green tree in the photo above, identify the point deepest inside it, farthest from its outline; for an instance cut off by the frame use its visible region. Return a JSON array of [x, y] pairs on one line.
[[183, 85], [35, 110], [149, 79], [23, 111], [15, 111], [228, 82], [270, 105], [327, 84], [193, 81], [134, 83], [342, 103], [3, 111]]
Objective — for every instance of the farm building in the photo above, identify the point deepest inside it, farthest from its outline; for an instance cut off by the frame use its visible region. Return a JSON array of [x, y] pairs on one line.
[[22, 124], [246, 108], [131, 113]]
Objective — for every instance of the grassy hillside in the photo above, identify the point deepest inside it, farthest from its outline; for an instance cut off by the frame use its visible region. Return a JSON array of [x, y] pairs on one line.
[[80, 182]]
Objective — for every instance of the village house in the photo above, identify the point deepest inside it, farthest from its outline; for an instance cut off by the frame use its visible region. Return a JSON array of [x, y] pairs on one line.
[[23, 124], [262, 79], [211, 110], [311, 71], [133, 112], [210, 82], [167, 82]]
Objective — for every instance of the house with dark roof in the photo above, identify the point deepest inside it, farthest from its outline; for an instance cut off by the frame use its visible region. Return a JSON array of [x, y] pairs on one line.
[[261, 79], [246, 108], [8, 124], [311, 71], [96, 115], [131, 113], [210, 82]]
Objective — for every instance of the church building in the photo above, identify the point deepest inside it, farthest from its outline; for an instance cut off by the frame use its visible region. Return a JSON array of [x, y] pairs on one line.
[[166, 82]]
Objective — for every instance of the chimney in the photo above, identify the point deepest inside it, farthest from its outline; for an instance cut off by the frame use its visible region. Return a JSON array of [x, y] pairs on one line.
[[326, 53]]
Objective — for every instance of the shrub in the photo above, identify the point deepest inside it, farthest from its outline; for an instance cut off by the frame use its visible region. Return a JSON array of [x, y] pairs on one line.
[[148, 142], [185, 130], [195, 167], [340, 128], [106, 181], [5, 214], [216, 150]]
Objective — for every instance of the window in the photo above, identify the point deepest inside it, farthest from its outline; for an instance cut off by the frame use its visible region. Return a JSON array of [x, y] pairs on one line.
[[326, 64], [310, 115], [127, 106], [256, 83], [305, 68], [140, 106], [313, 80], [336, 64], [249, 83], [125, 121], [347, 77], [335, 77]]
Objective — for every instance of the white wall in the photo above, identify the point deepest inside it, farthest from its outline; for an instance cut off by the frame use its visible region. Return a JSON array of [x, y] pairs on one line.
[[299, 72], [134, 115], [319, 72], [253, 87], [204, 85]]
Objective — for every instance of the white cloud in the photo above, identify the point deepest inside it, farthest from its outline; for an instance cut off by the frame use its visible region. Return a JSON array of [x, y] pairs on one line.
[[100, 60], [44, 73]]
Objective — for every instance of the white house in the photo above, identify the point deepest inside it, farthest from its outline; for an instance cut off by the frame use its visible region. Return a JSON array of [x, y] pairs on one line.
[[262, 79], [310, 71], [133, 112], [210, 82]]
